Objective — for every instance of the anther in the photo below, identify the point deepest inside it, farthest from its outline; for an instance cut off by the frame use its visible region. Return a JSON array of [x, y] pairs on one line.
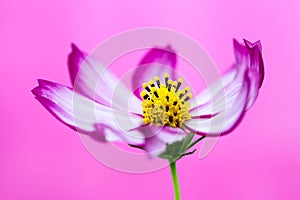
[[182, 94], [146, 87], [169, 85], [188, 97], [187, 89], [151, 83], [156, 78], [180, 80], [174, 84], [144, 95]]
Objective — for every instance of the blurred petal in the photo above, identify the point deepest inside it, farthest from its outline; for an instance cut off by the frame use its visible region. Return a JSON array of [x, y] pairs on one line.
[[214, 90], [79, 112], [226, 111], [156, 138], [91, 79], [156, 62]]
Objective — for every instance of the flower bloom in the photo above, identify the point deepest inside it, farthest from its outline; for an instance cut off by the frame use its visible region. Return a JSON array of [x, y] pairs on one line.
[[160, 111]]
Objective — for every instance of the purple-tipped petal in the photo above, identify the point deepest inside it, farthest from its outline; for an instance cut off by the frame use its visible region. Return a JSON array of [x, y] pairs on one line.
[[75, 59], [231, 96], [256, 60], [79, 112], [91, 79], [156, 62], [250, 56], [57, 99], [251, 45]]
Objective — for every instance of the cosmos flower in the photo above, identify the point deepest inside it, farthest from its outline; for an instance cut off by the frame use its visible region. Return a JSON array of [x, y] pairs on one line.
[[160, 111]]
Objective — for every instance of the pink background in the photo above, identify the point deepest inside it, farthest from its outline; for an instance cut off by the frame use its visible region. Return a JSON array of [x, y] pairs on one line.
[[42, 159]]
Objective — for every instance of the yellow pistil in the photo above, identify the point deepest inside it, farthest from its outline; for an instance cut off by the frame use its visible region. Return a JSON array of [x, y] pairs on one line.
[[165, 104]]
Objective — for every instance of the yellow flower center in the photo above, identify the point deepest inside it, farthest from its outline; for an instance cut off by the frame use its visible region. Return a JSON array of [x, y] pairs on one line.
[[165, 104]]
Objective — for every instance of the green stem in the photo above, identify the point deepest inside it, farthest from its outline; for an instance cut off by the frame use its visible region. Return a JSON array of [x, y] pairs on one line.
[[175, 180], [196, 141]]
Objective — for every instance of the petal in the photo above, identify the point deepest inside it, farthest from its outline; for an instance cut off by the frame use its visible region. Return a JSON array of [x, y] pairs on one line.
[[156, 62], [256, 60], [91, 79], [214, 90], [75, 58], [250, 56], [231, 96], [226, 111], [79, 112]]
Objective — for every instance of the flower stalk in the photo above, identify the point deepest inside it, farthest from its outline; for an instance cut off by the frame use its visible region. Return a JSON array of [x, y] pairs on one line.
[[175, 180]]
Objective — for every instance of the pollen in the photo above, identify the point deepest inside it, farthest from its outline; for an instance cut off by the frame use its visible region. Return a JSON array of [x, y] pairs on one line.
[[165, 104]]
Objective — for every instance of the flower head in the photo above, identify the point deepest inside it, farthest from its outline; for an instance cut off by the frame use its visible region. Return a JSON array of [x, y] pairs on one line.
[[159, 104]]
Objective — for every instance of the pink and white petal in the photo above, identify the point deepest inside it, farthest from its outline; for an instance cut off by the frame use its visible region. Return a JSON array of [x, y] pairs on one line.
[[156, 62], [55, 99], [230, 111], [79, 112], [91, 79]]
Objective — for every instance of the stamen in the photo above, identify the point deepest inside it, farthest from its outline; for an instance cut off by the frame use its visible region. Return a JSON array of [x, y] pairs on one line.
[[180, 80], [156, 78], [169, 85], [166, 79], [146, 87], [188, 97], [174, 85], [182, 94], [151, 83], [165, 105]]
